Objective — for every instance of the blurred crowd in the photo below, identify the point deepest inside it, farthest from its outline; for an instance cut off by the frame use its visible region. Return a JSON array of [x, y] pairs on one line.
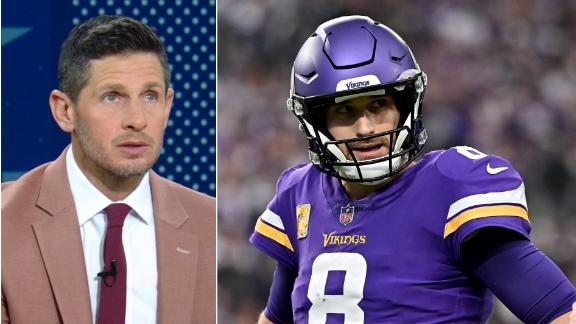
[[502, 78]]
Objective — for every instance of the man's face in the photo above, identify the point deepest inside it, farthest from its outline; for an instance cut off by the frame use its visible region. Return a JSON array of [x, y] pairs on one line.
[[120, 115], [361, 117]]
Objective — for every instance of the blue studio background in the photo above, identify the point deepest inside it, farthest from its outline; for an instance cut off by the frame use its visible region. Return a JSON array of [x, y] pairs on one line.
[[32, 32]]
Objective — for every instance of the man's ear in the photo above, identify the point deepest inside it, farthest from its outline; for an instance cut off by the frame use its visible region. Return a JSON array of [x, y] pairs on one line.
[[168, 105], [62, 112]]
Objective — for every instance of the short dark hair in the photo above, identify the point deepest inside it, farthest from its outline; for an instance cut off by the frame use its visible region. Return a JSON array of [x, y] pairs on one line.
[[99, 37]]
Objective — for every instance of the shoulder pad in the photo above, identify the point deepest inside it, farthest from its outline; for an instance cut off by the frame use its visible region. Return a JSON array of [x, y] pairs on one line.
[[294, 176], [483, 190], [467, 163]]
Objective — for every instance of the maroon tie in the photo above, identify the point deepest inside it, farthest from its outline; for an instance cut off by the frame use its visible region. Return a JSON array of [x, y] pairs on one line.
[[112, 307]]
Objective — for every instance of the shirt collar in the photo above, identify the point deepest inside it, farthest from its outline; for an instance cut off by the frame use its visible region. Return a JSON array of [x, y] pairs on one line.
[[90, 201]]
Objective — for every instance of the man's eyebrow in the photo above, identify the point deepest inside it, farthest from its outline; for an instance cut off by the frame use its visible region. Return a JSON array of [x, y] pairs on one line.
[[110, 86], [154, 84], [121, 87]]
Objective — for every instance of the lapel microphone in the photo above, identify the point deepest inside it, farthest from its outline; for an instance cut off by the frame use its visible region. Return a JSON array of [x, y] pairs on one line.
[[109, 273]]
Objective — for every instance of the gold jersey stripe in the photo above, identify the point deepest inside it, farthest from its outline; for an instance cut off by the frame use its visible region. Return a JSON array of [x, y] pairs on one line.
[[481, 212], [274, 234]]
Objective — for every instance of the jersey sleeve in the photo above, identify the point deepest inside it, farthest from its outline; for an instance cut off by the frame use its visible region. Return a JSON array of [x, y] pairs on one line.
[[484, 191], [274, 230]]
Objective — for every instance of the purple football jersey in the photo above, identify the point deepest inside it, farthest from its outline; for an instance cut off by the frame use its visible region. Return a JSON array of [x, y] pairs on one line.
[[393, 256]]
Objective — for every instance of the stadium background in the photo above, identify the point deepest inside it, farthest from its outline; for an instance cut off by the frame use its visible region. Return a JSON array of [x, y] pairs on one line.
[[502, 76], [32, 32]]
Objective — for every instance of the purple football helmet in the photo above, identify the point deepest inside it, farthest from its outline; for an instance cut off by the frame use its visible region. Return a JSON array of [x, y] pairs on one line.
[[349, 57]]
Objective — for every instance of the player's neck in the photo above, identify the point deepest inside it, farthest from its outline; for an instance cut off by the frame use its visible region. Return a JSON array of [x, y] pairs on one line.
[[357, 190]]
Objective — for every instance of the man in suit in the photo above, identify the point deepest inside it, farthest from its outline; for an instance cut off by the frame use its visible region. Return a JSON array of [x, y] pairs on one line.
[[57, 220]]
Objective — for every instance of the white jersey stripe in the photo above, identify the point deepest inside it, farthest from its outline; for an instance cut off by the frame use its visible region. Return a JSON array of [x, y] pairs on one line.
[[515, 196], [272, 218]]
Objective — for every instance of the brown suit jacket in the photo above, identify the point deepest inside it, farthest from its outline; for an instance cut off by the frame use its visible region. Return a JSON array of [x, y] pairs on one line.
[[43, 271]]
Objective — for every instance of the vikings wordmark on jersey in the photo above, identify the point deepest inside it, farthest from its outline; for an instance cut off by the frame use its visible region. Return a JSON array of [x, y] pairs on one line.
[[396, 258]]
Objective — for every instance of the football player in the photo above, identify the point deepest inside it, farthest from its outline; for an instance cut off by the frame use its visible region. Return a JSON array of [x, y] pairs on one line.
[[368, 233]]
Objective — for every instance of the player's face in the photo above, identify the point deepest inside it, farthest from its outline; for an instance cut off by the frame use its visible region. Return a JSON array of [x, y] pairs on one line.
[[361, 117], [120, 115]]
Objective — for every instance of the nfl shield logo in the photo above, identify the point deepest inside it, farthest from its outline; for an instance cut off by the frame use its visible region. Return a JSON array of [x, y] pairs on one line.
[[346, 214]]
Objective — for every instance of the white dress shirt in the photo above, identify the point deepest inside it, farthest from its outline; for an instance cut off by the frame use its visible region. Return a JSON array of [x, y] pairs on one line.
[[138, 237]]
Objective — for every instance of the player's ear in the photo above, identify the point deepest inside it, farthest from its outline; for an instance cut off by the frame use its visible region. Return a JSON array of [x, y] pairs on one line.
[[62, 112]]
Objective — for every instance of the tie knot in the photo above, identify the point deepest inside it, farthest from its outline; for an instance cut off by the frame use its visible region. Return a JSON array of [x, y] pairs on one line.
[[116, 214]]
